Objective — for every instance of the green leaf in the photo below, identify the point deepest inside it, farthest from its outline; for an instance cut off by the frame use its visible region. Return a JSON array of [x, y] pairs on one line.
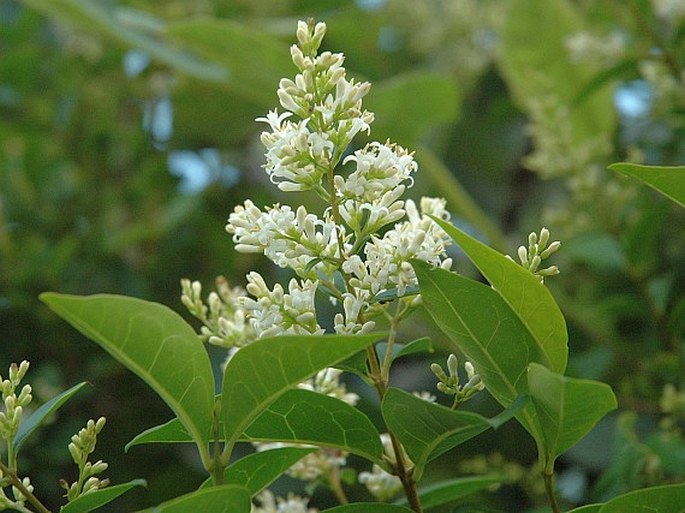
[[669, 181], [568, 408], [453, 489], [169, 432], [257, 471], [590, 508], [420, 345], [486, 331], [428, 430], [659, 499], [37, 417], [216, 499], [156, 344], [365, 507], [304, 417], [407, 106], [523, 292], [254, 59], [95, 499], [262, 371]]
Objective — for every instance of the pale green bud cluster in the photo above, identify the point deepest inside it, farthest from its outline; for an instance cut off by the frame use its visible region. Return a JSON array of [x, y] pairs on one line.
[[14, 404], [81, 447], [449, 382], [539, 249]]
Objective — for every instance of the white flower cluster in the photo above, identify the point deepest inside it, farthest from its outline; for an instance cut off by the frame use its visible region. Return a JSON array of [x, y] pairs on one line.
[[382, 485], [292, 504], [539, 249]]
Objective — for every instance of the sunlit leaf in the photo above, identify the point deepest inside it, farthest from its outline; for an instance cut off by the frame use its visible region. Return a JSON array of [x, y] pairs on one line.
[[95, 499], [669, 181], [156, 344], [216, 499], [523, 292], [301, 416], [264, 370], [428, 430], [32, 423], [478, 321], [258, 470], [661, 499], [568, 408]]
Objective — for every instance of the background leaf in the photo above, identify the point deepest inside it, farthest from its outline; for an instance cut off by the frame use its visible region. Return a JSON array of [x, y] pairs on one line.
[[428, 430], [32, 423], [523, 292], [216, 499], [568, 408], [95, 499], [368, 508], [669, 181], [483, 327], [661, 499], [302, 416], [453, 489], [262, 371], [154, 343]]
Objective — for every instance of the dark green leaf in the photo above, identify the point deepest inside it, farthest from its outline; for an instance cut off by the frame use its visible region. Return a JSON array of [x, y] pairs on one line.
[[454, 489], [487, 331], [523, 292], [590, 508], [216, 499], [37, 417], [169, 432], [568, 408], [304, 417], [420, 345], [264, 370], [156, 344], [366, 507], [95, 499], [659, 499], [428, 430], [669, 181]]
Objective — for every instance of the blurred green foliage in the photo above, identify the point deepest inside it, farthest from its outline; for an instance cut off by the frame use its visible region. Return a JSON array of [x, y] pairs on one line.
[[515, 109]]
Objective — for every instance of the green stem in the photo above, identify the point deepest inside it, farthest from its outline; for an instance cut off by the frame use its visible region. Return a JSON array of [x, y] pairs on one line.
[[11, 475], [335, 484], [549, 488], [218, 467]]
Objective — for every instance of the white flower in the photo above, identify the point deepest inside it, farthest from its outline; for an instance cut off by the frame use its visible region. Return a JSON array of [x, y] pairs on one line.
[[327, 382], [292, 504], [346, 323], [275, 313], [382, 485]]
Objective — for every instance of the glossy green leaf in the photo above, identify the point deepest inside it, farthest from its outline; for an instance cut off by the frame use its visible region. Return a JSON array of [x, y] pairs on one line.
[[156, 344], [428, 430], [669, 181], [568, 408], [453, 489], [407, 106], [37, 417], [366, 507], [264, 370], [478, 321], [216, 499], [420, 345], [169, 432], [525, 295], [255, 60], [658, 499], [304, 417], [95, 499]]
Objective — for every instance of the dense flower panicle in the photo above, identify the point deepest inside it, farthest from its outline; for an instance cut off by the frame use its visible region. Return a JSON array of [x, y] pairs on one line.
[[354, 305], [288, 238], [274, 312], [369, 217]]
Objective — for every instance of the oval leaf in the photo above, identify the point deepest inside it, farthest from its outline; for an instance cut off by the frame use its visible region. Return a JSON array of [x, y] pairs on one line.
[[167, 433], [428, 430], [669, 181], [335, 424], [487, 331], [37, 417], [156, 344], [568, 408], [262, 371], [523, 292], [454, 489], [216, 499], [590, 508], [95, 499], [661, 499]]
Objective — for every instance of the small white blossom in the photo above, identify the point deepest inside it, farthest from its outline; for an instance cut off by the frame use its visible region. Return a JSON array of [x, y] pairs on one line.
[[382, 485], [327, 382], [538, 250], [292, 504], [274, 312], [347, 323]]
